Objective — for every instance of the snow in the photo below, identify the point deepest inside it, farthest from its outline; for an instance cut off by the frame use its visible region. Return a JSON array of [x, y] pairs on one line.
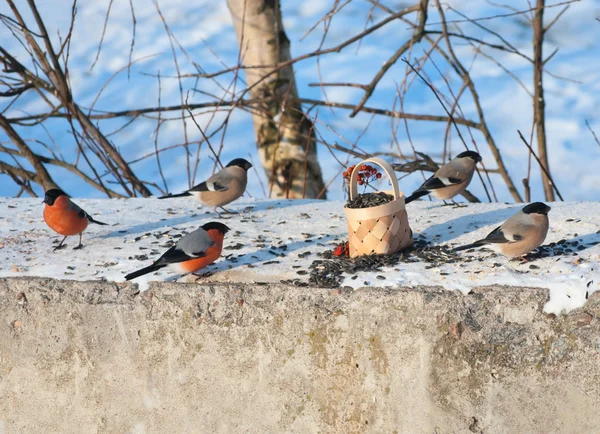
[[271, 240]]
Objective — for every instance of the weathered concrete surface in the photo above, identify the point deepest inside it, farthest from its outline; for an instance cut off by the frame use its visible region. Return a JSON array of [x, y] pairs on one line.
[[86, 357]]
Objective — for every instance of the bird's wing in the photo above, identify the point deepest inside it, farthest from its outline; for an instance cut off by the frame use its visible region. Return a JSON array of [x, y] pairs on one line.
[[83, 214], [454, 172], [195, 243], [518, 227], [220, 181], [435, 182], [190, 246], [173, 256], [80, 212], [512, 230], [497, 236]]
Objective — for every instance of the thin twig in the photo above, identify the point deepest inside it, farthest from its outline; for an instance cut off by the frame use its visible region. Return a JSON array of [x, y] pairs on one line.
[[541, 166], [205, 138], [158, 125], [587, 123], [439, 100], [512, 14], [103, 34]]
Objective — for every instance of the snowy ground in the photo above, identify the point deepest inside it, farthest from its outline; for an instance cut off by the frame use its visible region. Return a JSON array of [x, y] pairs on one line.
[[278, 240]]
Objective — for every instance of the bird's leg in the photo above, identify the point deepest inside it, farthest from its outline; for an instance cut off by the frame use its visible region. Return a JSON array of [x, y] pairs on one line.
[[60, 245], [221, 215], [522, 259], [199, 277], [79, 246], [229, 212], [453, 204]]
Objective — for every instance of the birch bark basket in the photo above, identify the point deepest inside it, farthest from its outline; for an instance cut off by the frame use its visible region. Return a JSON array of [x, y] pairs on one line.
[[382, 229]]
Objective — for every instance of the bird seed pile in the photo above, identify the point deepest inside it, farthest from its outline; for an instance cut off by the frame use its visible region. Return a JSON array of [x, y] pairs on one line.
[[328, 271], [368, 200]]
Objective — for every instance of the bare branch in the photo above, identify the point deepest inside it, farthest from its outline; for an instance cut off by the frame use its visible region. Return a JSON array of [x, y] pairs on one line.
[[552, 184], [416, 37], [42, 176]]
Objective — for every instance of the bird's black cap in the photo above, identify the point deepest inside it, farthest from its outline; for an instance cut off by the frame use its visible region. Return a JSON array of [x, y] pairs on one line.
[[240, 162], [216, 225], [537, 208], [470, 154], [53, 194]]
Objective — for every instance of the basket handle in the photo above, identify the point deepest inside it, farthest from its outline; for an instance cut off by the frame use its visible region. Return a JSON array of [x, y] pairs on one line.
[[386, 168]]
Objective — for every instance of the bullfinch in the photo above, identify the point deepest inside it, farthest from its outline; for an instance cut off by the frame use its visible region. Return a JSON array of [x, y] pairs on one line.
[[65, 217], [223, 187], [192, 252], [520, 234], [450, 179]]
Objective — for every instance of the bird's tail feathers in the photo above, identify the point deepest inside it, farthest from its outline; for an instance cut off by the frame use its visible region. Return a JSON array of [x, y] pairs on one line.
[[91, 219], [417, 194], [470, 246], [146, 270], [171, 195]]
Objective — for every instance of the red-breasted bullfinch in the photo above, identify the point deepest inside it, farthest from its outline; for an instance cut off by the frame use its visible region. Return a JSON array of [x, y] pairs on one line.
[[192, 252], [223, 187], [65, 217], [520, 234], [450, 179]]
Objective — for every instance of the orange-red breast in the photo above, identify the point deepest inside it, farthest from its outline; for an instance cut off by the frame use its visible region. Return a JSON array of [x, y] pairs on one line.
[[192, 252], [65, 217]]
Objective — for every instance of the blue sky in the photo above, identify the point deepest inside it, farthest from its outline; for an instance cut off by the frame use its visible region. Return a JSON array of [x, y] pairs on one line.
[[204, 30]]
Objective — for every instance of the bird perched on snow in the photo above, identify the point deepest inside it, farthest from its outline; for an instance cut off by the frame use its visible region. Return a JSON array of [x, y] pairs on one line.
[[65, 217], [520, 234], [192, 252], [450, 179], [223, 187]]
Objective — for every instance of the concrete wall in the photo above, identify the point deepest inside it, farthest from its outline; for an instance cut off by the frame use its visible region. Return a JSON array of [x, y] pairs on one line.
[[86, 357]]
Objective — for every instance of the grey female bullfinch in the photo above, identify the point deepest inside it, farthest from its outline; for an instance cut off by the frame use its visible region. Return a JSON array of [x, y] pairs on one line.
[[450, 179], [520, 234], [223, 187]]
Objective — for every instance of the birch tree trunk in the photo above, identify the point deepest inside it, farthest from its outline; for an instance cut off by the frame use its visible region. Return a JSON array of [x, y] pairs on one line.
[[284, 135], [539, 104]]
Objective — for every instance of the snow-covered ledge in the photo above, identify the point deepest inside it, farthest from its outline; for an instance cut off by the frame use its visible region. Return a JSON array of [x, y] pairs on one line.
[[221, 357], [275, 240]]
